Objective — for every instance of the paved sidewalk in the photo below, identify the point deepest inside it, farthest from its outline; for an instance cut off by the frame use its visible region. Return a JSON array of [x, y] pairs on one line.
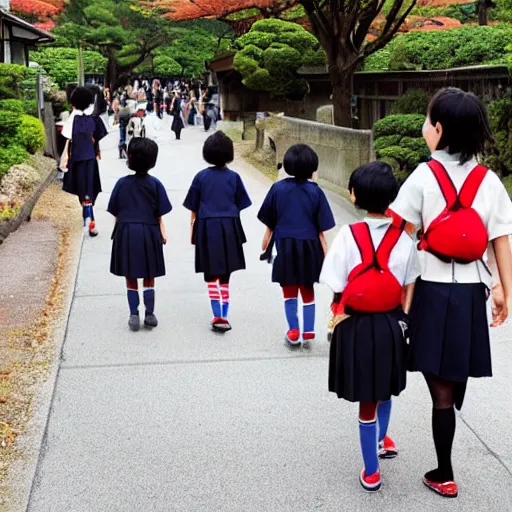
[[181, 419]]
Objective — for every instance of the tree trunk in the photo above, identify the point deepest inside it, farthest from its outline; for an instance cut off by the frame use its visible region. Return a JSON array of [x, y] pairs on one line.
[[483, 12], [341, 81], [111, 72]]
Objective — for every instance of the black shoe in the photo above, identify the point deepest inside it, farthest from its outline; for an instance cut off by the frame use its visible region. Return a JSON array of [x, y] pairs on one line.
[[150, 321], [134, 322]]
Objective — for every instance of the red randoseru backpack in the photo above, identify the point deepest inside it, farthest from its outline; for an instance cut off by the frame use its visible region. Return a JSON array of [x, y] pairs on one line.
[[371, 287], [458, 233]]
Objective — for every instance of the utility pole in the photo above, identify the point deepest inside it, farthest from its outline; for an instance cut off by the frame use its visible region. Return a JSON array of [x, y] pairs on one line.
[[81, 69]]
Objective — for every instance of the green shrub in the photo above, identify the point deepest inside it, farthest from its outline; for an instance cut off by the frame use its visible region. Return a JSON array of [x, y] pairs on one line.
[[414, 101], [465, 46], [271, 53], [30, 107], [9, 122], [30, 134], [499, 156], [11, 79], [418, 145], [386, 141], [407, 158], [507, 181], [11, 155], [12, 106], [400, 124]]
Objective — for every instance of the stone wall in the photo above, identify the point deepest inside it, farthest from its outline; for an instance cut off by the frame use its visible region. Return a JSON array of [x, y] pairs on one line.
[[340, 150]]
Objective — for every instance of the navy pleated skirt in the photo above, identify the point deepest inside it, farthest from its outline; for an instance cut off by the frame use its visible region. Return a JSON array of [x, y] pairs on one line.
[[298, 262], [219, 246], [450, 331], [83, 180], [368, 357], [137, 251]]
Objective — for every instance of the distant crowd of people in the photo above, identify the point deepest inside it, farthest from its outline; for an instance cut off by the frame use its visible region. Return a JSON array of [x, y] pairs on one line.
[[189, 103]]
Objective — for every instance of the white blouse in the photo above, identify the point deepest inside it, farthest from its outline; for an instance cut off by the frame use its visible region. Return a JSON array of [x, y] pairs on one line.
[[420, 201], [343, 256]]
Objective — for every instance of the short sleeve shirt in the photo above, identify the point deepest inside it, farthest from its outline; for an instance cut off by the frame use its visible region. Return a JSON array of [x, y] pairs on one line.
[[139, 199], [296, 209], [420, 201], [217, 193], [344, 255]]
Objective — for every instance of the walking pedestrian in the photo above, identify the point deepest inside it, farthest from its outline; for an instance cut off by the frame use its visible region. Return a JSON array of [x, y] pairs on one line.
[[297, 214], [460, 207], [139, 202], [158, 98], [367, 267], [84, 133], [216, 198], [177, 123]]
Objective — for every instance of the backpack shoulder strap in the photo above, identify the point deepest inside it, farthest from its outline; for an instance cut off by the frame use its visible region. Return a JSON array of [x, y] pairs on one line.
[[445, 182], [389, 241], [471, 185], [362, 236]]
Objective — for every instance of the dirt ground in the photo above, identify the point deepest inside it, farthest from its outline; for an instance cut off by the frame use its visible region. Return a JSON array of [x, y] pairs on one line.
[[36, 265]]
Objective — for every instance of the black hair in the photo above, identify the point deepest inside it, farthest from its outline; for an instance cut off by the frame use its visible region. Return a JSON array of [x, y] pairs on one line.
[[82, 98], [142, 154], [300, 161], [218, 150], [465, 124], [374, 186]]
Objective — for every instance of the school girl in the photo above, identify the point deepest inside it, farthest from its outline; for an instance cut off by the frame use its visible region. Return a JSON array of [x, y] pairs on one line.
[[460, 207], [84, 133], [138, 202], [297, 214], [216, 198], [367, 267]]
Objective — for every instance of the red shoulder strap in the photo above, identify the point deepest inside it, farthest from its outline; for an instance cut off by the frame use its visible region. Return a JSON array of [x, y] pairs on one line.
[[445, 182], [389, 241], [471, 185], [362, 236]]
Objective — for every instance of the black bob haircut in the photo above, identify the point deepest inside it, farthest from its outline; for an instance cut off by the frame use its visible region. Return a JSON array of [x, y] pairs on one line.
[[374, 186], [142, 154], [218, 150], [465, 124], [300, 161], [82, 98]]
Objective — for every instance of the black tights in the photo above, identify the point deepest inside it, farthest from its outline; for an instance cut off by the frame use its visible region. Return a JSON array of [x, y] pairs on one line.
[[443, 425]]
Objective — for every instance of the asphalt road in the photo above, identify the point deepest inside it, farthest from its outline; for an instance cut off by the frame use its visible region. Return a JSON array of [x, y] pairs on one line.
[[181, 419]]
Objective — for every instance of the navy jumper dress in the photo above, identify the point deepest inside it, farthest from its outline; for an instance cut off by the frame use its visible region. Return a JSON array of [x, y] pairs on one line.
[[83, 176], [137, 249], [297, 212], [218, 196]]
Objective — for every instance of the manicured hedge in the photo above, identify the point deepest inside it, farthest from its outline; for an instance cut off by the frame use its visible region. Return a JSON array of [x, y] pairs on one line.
[[398, 124], [30, 134]]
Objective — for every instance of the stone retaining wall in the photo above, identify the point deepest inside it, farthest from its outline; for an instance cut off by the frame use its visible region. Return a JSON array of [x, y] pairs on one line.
[[340, 150]]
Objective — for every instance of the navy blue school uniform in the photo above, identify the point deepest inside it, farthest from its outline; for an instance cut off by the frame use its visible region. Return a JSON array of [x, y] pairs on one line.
[[218, 196], [137, 249], [83, 176], [297, 212]]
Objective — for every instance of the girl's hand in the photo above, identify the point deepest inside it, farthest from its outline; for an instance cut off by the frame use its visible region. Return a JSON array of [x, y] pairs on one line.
[[499, 306], [164, 239]]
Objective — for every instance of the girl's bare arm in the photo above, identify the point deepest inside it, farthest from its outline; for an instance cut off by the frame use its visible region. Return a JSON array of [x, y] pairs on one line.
[[162, 229], [193, 217], [321, 236], [503, 256], [409, 294], [266, 239]]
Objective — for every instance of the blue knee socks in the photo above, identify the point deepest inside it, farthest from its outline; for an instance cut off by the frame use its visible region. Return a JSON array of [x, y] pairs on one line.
[[368, 438], [309, 317], [149, 300], [290, 308], [133, 301], [383, 415]]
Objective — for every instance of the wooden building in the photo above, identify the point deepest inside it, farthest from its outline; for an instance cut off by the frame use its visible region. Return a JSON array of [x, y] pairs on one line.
[[18, 37], [374, 92]]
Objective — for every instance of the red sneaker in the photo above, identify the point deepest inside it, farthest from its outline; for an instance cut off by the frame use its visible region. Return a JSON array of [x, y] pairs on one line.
[[445, 489], [370, 483], [221, 325], [292, 337], [308, 336], [92, 229], [387, 448]]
